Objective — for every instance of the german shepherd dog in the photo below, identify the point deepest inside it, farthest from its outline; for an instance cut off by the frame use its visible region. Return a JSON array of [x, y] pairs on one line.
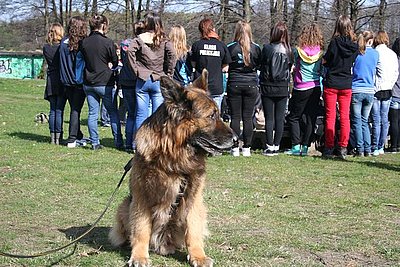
[[165, 209]]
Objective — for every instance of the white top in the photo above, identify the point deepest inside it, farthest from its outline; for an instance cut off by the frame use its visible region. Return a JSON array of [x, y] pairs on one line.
[[387, 69]]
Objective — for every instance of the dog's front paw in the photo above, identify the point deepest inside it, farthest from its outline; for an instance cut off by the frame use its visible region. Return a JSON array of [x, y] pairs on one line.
[[141, 262], [200, 262]]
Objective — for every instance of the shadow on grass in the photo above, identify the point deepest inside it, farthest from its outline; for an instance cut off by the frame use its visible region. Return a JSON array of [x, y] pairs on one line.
[[98, 239], [369, 162], [106, 142], [380, 165], [31, 137]]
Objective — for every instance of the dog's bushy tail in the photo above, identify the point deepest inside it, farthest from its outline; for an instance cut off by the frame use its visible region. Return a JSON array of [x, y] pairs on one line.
[[119, 234]]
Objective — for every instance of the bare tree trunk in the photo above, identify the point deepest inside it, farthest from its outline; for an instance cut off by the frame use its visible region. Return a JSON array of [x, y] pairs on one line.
[[354, 9], [285, 11], [132, 12], [342, 7], [147, 6], [316, 12], [55, 15], [276, 8], [161, 8], [224, 16], [126, 22], [139, 11], [86, 11], [46, 15], [246, 10], [296, 20], [94, 7], [61, 13], [382, 18], [66, 11], [70, 10]]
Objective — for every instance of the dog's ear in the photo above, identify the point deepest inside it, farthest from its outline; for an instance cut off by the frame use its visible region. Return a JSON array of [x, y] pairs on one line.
[[172, 92], [202, 81]]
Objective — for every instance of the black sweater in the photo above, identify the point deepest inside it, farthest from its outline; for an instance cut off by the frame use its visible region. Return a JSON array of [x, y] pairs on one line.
[[239, 73], [98, 51], [340, 57]]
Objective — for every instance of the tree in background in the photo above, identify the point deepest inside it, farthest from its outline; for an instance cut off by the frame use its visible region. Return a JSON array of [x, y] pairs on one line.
[[36, 15]]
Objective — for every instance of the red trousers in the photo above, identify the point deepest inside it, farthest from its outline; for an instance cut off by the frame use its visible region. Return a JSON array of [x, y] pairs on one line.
[[343, 98]]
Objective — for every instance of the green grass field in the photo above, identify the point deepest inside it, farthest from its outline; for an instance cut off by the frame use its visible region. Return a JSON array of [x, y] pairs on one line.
[[263, 211]]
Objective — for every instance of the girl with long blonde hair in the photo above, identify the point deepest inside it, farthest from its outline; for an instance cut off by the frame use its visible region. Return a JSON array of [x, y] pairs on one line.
[[362, 97], [54, 91], [242, 86], [183, 68]]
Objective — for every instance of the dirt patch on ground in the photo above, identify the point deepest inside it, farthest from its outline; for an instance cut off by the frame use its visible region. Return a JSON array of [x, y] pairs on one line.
[[4, 170], [349, 259]]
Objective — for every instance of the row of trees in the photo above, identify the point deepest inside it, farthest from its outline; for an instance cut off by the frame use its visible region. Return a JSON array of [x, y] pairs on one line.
[[32, 17]]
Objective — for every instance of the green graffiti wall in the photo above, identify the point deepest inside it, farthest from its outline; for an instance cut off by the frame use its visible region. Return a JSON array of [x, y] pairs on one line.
[[20, 66]]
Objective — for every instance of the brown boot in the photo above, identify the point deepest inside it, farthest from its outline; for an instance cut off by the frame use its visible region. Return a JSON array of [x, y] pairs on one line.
[[58, 138], [53, 138]]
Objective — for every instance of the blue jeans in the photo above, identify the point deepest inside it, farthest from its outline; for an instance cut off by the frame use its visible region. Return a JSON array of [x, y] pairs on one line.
[[380, 123], [361, 105], [107, 93], [104, 117], [56, 115], [218, 100], [130, 104], [146, 91]]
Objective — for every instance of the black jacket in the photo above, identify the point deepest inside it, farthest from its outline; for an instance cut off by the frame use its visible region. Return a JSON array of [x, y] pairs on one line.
[[340, 57], [275, 70], [239, 73], [53, 81], [99, 51]]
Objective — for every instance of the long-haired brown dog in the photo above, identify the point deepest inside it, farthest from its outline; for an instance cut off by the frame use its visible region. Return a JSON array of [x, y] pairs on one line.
[[165, 209]]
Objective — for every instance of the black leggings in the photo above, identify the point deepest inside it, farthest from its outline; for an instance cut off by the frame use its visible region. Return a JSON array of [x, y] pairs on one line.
[[274, 112], [76, 98], [394, 117], [242, 99], [303, 107]]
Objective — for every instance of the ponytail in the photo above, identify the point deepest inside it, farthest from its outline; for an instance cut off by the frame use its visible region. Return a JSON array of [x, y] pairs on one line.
[[361, 44], [363, 39]]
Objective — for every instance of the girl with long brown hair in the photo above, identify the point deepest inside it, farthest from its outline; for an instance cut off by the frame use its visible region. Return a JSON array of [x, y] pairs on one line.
[[151, 55], [71, 70], [306, 88], [276, 62], [338, 60], [54, 91], [101, 60], [242, 83]]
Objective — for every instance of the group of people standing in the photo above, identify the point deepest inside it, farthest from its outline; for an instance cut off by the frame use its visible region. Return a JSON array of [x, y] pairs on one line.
[[352, 74]]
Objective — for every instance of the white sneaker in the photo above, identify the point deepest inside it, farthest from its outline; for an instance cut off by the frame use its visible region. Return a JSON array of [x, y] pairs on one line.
[[235, 152], [276, 149], [72, 144], [246, 152]]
